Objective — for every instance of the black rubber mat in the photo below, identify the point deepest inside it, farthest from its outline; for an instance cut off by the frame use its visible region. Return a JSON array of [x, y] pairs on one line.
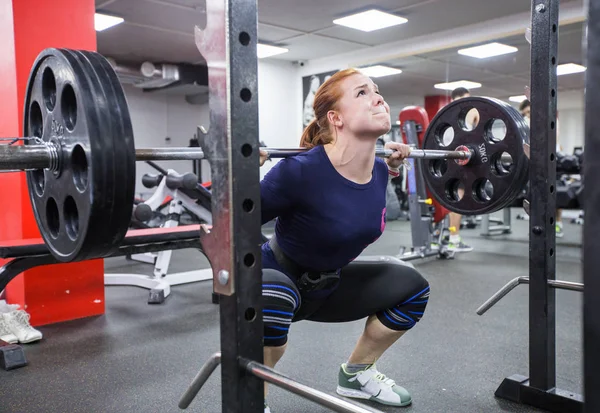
[[140, 357]]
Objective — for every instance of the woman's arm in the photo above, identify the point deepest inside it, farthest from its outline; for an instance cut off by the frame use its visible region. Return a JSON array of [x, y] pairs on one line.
[[280, 189]]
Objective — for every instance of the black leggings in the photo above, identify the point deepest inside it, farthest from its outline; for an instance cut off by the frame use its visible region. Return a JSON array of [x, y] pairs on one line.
[[393, 291]]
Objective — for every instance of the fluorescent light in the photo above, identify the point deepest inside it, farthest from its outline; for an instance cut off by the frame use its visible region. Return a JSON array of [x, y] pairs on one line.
[[370, 20], [488, 50], [104, 21], [517, 99], [569, 68], [459, 83], [397, 122], [379, 71], [265, 50]]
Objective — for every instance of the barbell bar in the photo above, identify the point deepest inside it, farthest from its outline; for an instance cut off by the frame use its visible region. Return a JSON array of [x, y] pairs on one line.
[[47, 156]]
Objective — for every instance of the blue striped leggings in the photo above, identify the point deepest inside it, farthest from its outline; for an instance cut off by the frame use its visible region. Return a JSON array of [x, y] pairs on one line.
[[396, 293]]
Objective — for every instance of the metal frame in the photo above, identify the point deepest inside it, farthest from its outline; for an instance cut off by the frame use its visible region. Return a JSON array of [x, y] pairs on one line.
[[591, 243], [539, 389]]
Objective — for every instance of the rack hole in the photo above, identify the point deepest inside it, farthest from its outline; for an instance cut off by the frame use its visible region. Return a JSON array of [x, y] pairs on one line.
[[244, 38], [249, 260], [551, 221], [553, 60], [250, 314], [247, 150], [551, 157], [551, 252], [245, 94], [553, 92], [248, 205], [554, 28], [551, 189]]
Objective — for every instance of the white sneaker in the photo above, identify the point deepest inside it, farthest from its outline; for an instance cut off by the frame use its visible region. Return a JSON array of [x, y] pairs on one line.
[[18, 323], [5, 333], [372, 385], [7, 308]]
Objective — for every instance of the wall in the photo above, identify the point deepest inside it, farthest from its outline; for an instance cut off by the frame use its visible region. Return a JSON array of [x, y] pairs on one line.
[[571, 115], [158, 115]]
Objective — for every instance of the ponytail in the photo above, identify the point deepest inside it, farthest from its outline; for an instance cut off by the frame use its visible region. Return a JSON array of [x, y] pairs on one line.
[[313, 135], [329, 93]]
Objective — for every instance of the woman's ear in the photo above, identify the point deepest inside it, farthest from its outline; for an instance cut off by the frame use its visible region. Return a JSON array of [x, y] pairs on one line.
[[334, 119]]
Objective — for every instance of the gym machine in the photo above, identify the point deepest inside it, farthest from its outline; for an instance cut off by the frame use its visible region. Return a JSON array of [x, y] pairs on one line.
[[184, 192]]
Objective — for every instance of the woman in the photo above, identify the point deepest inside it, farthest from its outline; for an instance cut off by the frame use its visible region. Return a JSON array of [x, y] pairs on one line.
[[330, 204]]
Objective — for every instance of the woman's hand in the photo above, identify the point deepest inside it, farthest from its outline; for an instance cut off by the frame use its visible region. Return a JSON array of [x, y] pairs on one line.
[[401, 152], [264, 157]]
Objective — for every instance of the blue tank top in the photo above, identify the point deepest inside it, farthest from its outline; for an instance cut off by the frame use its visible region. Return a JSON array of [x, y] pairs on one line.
[[324, 221]]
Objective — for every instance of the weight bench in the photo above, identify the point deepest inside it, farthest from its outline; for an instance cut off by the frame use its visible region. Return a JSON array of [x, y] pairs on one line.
[[29, 253]]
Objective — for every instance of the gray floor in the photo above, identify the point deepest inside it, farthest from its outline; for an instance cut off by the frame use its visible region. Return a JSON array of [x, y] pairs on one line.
[[139, 358]]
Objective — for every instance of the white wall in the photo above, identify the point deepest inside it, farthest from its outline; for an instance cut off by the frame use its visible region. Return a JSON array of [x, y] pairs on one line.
[[571, 115], [279, 105], [156, 116]]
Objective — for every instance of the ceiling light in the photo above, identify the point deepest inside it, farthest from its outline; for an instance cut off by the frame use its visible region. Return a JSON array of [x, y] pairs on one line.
[[265, 50], [569, 68], [488, 50], [104, 21], [370, 20], [517, 99], [397, 122], [379, 71], [459, 83]]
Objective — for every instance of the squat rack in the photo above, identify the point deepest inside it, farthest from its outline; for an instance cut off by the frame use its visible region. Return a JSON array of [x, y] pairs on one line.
[[229, 45]]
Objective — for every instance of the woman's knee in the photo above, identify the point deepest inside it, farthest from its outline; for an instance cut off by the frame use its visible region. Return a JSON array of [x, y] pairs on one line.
[[281, 300], [411, 306]]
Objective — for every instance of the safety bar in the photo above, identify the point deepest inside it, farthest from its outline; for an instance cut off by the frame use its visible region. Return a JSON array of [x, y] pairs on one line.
[[558, 284], [269, 375]]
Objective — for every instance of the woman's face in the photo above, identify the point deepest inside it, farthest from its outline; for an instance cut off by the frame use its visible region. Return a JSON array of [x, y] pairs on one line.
[[362, 110]]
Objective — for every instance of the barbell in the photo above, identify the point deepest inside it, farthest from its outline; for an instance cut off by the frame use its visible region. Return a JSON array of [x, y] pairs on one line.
[[79, 155]]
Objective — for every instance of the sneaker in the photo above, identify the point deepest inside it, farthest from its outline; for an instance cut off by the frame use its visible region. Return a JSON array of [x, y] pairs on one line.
[[267, 410], [18, 323], [5, 333], [370, 384], [559, 231], [459, 246]]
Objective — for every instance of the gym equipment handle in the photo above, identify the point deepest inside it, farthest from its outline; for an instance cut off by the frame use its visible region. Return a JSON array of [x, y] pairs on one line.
[[30, 157], [324, 399], [558, 284], [186, 181], [151, 181]]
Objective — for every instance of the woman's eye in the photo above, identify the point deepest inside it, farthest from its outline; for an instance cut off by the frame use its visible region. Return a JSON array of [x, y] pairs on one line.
[[361, 92]]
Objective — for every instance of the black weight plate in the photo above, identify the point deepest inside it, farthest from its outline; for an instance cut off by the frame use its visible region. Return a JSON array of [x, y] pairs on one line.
[[500, 130], [66, 104]]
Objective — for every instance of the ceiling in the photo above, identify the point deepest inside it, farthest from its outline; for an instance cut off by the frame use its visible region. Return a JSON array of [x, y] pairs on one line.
[[162, 31]]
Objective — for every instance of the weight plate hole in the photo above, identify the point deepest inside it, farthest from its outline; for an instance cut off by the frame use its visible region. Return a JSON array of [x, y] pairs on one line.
[[49, 89], [444, 135], [69, 107], [244, 38], [501, 163], [495, 131], [80, 168], [483, 190], [36, 122], [468, 119], [52, 217], [248, 205], [71, 218], [250, 314], [246, 95], [455, 190], [438, 167], [39, 181], [246, 150], [249, 260]]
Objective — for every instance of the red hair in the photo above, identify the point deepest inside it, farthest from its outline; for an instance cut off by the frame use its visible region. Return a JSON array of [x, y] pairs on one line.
[[329, 93]]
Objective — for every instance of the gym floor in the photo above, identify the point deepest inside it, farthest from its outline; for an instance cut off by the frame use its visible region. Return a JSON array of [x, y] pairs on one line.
[[140, 357]]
